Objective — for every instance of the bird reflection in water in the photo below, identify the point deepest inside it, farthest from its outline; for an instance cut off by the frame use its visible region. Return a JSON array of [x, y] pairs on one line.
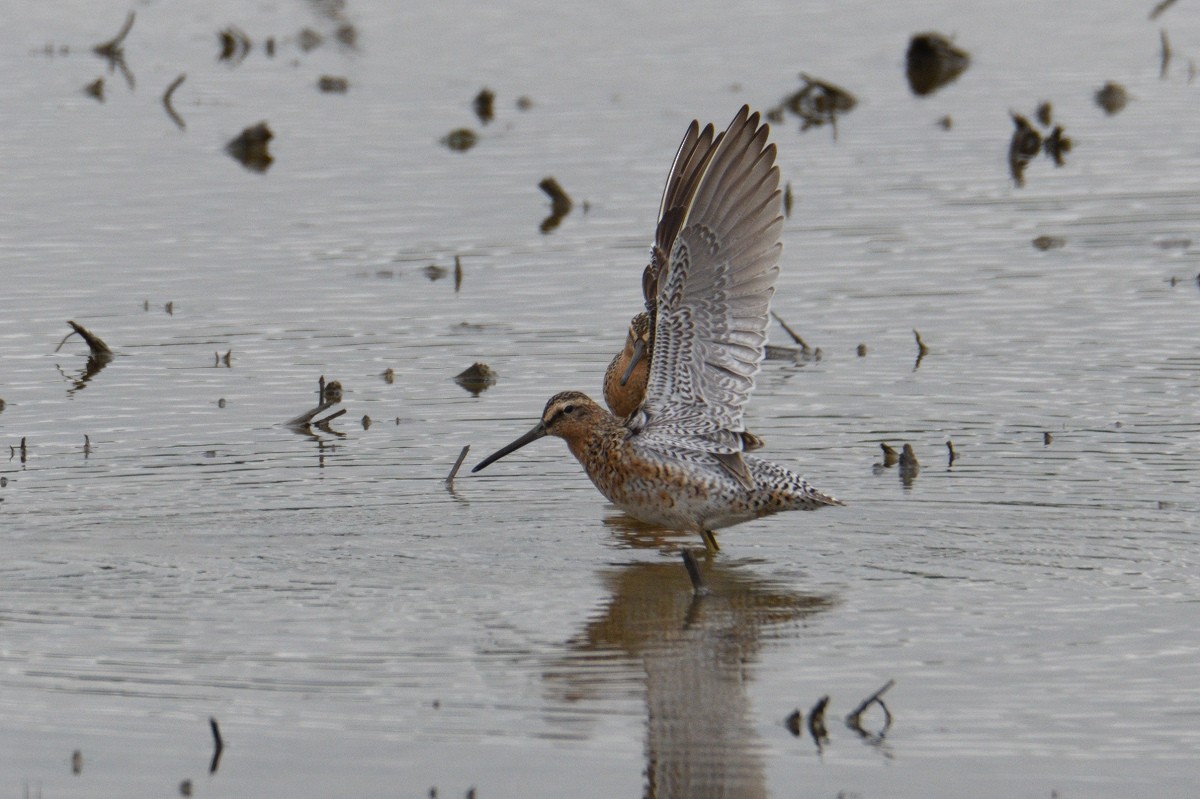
[[696, 654]]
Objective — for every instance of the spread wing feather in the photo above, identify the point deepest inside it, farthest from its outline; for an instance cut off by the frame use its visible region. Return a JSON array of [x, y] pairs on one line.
[[711, 277]]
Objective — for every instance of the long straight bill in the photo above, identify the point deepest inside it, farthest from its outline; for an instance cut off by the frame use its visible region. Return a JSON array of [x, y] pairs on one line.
[[538, 431]]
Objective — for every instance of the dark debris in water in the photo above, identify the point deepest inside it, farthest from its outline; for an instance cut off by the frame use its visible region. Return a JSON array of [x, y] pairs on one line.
[[250, 147], [235, 45], [476, 378], [933, 62], [817, 103], [1023, 147], [484, 105], [113, 50], [1045, 242], [95, 89], [460, 139], [1027, 143], [166, 101], [333, 84], [1112, 97], [560, 203]]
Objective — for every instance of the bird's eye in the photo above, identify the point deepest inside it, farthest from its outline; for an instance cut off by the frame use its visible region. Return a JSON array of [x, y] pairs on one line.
[[568, 409]]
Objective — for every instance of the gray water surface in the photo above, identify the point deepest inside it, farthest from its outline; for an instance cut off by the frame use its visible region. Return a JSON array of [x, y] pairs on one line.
[[357, 628]]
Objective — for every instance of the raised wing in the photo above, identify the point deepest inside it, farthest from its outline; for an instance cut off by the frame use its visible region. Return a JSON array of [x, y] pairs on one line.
[[713, 290], [694, 154]]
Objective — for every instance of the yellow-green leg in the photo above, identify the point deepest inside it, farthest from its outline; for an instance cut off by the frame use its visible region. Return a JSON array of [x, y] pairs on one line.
[[710, 541]]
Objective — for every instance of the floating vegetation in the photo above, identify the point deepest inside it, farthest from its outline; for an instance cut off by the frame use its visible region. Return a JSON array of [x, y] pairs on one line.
[[1045, 114], [484, 105], [1165, 54], [227, 358], [861, 350], [1045, 242], [460, 139], [458, 274], [366, 422], [933, 62], [524, 103], [435, 272], [954, 454], [787, 199], [250, 147], [331, 84], [166, 100], [1046, 438], [389, 375], [817, 103], [560, 203], [476, 378], [235, 45], [1112, 97]]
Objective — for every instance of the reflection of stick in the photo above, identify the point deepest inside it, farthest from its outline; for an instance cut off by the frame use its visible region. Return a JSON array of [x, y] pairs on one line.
[[114, 44], [218, 745], [854, 719], [178, 120], [462, 456]]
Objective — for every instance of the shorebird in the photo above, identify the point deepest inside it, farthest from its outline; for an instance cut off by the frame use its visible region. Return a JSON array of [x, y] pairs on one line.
[[629, 371], [677, 460]]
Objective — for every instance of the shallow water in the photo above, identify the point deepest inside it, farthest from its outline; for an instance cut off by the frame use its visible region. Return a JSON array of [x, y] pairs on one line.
[[357, 628]]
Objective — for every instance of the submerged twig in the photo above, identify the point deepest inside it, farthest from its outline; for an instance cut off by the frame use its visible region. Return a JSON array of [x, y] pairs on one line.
[[330, 394], [112, 47], [922, 350], [1161, 7], [462, 456], [112, 51], [1166, 54], [854, 720], [166, 100], [804, 348], [218, 745]]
